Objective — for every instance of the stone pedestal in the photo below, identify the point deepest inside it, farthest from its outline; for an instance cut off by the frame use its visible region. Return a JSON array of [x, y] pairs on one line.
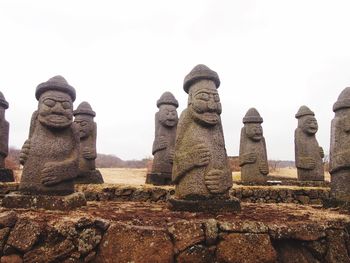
[[207, 205], [159, 179], [92, 177], [48, 202], [6, 175]]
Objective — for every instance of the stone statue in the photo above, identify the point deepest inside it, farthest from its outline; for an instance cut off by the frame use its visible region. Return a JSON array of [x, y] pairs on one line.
[[50, 156], [6, 175], [252, 150], [164, 141], [84, 118], [339, 157], [308, 154], [200, 170]]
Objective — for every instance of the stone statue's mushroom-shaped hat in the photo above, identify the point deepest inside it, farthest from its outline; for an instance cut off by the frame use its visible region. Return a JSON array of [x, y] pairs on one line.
[[84, 108], [56, 83], [252, 116], [3, 103], [343, 100], [303, 111], [168, 99], [200, 72]]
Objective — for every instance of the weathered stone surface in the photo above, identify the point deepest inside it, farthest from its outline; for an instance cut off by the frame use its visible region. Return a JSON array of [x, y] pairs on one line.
[[339, 152], [4, 131], [196, 254], [243, 227], [305, 232], [200, 169], [252, 150], [88, 239], [4, 232], [11, 259], [8, 218], [50, 202], [308, 154], [337, 251], [127, 243], [186, 234], [290, 251], [24, 235], [51, 153], [54, 253], [84, 118], [211, 231], [163, 146], [245, 248]]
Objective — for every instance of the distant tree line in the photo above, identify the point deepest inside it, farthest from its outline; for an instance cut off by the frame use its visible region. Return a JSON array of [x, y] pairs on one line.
[[102, 161]]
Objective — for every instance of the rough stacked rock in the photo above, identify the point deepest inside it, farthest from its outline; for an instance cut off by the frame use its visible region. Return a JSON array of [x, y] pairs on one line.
[[200, 170], [252, 151], [84, 118], [308, 154], [6, 175], [339, 158], [51, 153], [164, 142]]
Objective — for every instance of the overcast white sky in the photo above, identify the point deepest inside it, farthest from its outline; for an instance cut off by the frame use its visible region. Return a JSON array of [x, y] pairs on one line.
[[122, 55]]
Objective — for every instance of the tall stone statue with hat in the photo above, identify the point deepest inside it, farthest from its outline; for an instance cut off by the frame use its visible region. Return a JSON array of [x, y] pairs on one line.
[[308, 154], [84, 118], [6, 175], [252, 150], [164, 142], [200, 171], [50, 156], [339, 157]]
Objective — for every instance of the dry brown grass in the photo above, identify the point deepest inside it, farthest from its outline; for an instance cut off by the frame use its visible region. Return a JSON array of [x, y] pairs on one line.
[[138, 176]]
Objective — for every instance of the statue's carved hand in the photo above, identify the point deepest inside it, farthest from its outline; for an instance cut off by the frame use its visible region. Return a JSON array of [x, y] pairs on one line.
[[162, 143], [201, 155], [250, 158], [171, 156], [24, 152], [263, 168], [88, 153], [215, 181], [321, 152], [309, 163], [49, 175]]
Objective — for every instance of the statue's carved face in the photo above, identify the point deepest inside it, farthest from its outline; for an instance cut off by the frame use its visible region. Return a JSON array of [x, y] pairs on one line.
[[309, 125], [168, 115], [55, 109], [85, 124], [254, 131], [204, 103]]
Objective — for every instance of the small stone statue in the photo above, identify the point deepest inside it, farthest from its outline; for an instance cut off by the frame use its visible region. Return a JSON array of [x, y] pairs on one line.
[[252, 151], [6, 175], [51, 154], [339, 157], [164, 141], [84, 118], [308, 154], [200, 170]]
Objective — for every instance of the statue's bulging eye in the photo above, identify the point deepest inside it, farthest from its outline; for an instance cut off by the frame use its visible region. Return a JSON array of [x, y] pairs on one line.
[[66, 105], [202, 96], [216, 98], [49, 102]]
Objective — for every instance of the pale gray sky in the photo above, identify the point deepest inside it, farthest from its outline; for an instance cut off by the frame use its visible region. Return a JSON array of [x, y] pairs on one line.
[[122, 55]]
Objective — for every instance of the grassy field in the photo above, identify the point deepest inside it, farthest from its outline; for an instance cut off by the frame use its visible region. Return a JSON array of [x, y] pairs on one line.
[[138, 176]]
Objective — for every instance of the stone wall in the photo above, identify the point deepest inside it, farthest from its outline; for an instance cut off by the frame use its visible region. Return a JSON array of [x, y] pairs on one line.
[[148, 193], [148, 232], [261, 194]]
